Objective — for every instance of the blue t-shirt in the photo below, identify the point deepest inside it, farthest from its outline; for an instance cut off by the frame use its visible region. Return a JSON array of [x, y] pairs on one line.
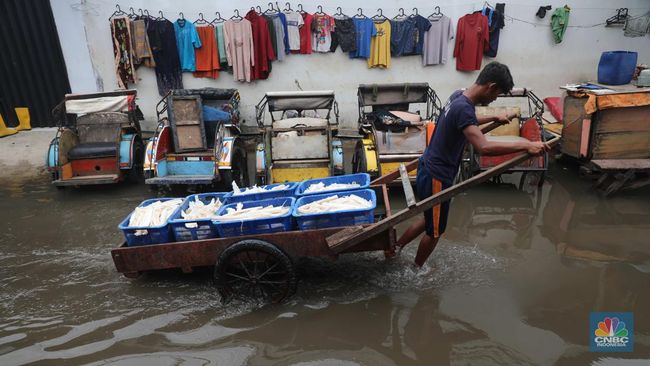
[[187, 39], [422, 25], [442, 157], [365, 31], [402, 36]]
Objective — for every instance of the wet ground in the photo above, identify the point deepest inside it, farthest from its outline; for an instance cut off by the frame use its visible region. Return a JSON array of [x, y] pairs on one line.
[[512, 282]]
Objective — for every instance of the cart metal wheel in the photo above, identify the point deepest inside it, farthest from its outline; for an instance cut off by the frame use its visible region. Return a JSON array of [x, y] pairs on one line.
[[255, 269]]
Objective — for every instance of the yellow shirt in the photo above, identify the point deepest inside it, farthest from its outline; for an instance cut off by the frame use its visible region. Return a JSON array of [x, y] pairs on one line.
[[380, 46]]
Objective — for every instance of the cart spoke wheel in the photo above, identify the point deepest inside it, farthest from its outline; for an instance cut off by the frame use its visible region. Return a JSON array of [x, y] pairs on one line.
[[255, 269]]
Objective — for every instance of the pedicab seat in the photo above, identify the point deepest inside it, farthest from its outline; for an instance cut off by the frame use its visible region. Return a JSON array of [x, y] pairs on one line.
[[93, 150]]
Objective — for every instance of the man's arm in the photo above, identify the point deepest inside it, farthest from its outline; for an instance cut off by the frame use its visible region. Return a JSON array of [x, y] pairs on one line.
[[485, 147]]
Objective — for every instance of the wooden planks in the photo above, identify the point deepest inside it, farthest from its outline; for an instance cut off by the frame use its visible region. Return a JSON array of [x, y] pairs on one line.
[[348, 238], [622, 164]]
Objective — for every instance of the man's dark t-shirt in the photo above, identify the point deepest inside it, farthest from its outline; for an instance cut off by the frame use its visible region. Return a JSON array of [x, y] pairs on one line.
[[442, 157]]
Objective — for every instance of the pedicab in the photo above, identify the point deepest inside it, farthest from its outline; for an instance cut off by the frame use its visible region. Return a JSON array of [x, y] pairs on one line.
[[395, 121], [98, 140], [197, 140], [527, 127], [298, 142]]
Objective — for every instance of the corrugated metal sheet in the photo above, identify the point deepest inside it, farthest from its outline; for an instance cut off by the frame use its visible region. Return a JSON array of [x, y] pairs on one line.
[[32, 68]]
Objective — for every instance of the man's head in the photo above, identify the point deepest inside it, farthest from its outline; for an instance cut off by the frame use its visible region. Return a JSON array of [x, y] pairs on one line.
[[493, 80]]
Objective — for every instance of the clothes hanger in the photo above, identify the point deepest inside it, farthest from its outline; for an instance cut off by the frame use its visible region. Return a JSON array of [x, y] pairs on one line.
[[618, 19], [379, 17], [437, 14], [359, 14], [300, 10], [161, 17], [320, 10], [236, 17], [415, 13], [201, 20], [400, 15], [257, 9], [339, 13], [132, 13], [146, 13], [271, 10], [218, 19], [181, 16], [287, 7], [117, 12]]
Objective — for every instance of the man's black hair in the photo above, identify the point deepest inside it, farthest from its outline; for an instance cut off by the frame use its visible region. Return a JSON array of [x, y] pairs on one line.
[[497, 73]]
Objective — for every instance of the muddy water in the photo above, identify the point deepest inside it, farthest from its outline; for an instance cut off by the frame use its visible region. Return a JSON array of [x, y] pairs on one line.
[[512, 282]]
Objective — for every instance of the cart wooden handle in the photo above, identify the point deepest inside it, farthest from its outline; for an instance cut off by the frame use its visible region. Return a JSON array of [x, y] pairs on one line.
[[351, 236]]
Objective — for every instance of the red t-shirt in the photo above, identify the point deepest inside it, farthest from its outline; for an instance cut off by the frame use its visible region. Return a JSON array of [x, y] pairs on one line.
[[472, 38], [262, 45], [305, 34]]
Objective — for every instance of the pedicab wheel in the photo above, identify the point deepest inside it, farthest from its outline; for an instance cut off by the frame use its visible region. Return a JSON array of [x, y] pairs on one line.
[[255, 269], [359, 163], [136, 173], [238, 171]]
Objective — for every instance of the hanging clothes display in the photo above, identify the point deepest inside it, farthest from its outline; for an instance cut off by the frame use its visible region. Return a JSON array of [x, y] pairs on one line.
[[365, 30], [345, 35], [142, 54], [435, 49], [221, 44], [637, 27], [285, 27], [472, 39], [207, 57], [264, 53], [294, 22], [278, 27], [238, 36], [165, 53], [122, 51], [306, 34], [380, 46], [323, 28], [496, 22], [559, 22], [187, 39], [422, 25], [402, 36], [272, 35]]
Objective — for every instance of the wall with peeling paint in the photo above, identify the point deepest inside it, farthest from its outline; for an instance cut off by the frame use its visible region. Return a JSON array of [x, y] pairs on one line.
[[535, 61]]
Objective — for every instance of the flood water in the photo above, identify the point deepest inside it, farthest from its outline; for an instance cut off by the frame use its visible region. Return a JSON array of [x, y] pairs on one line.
[[512, 282]]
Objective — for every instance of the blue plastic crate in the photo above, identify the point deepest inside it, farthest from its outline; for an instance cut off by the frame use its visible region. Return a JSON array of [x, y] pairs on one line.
[[289, 192], [337, 218], [257, 226], [363, 179], [153, 235], [185, 230]]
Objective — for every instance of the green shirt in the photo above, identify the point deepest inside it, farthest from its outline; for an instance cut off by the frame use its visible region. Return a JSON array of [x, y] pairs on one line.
[[559, 22]]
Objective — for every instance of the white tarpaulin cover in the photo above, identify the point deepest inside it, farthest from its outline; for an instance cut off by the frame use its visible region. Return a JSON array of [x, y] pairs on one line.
[[99, 104]]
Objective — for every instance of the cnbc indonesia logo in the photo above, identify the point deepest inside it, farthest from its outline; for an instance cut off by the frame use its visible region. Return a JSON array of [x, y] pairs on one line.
[[611, 333]]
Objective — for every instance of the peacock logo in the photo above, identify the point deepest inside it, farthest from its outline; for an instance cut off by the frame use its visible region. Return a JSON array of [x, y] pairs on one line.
[[611, 327], [611, 332]]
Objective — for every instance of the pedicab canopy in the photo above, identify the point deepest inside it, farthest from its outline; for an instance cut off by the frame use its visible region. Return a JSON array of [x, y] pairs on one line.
[[393, 94], [81, 104]]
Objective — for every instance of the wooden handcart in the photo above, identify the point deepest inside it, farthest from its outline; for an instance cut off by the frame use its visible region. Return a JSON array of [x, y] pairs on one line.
[[263, 265]]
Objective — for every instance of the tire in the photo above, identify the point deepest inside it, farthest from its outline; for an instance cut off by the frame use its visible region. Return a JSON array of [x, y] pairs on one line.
[[255, 269], [359, 163], [136, 173], [238, 171]]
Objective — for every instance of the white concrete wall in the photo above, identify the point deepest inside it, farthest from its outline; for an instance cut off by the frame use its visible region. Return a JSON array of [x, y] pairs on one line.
[[528, 49]]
